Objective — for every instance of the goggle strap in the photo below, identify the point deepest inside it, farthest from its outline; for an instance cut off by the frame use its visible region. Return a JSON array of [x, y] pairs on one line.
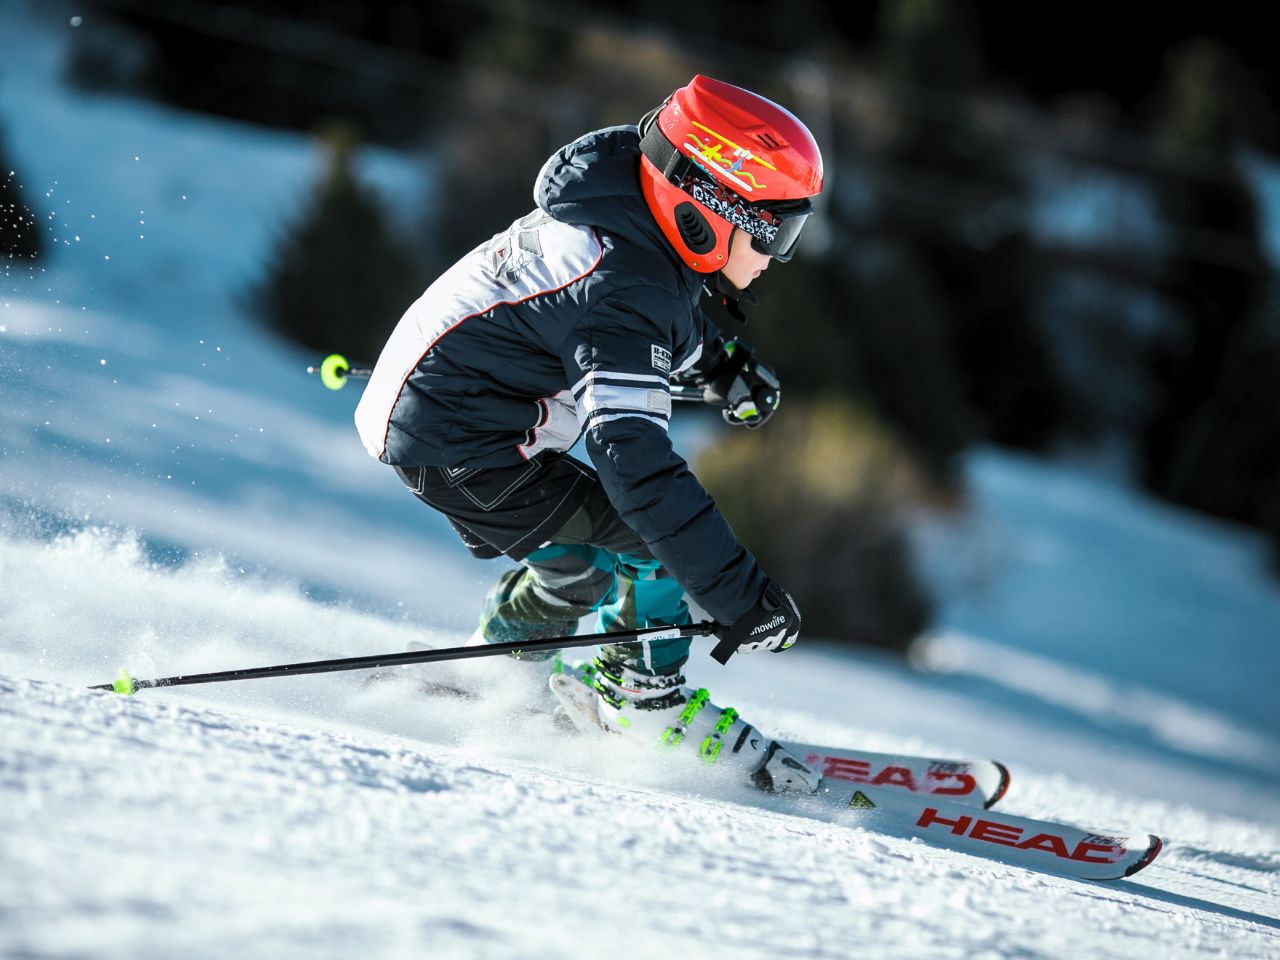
[[655, 145]]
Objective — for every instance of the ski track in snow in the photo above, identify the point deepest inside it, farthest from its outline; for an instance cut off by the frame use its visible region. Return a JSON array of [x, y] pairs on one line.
[[172, 492]]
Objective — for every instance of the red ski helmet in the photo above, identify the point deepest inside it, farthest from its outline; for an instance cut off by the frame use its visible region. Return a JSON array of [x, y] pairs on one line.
[[715, 157]]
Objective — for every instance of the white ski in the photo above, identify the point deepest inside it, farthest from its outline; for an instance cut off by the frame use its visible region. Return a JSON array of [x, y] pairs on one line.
[[943, 802], [1038, 844]]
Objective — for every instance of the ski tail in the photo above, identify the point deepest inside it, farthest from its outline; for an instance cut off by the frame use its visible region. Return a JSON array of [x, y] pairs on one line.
[[1022, 841], [1001, 788], [1154, 846]]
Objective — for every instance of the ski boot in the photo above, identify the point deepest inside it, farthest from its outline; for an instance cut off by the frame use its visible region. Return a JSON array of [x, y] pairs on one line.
[[662, 711], [515, 610]]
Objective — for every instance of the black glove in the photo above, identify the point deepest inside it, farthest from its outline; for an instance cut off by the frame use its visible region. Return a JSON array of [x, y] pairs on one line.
[[746, 388], [772, 624]]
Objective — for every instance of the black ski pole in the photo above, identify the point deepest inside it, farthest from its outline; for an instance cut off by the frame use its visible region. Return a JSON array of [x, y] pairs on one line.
[[127, 685], [334, 372]]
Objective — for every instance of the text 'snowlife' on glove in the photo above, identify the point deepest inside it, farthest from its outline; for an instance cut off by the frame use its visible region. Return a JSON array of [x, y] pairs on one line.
[[748, 390], [772, 624]]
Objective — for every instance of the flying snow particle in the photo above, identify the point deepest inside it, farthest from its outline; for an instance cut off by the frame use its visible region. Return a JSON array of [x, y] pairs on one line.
[[76, 21]]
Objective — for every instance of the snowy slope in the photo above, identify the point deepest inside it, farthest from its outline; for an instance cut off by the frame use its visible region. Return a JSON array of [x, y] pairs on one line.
[[311, 814], [225, 835], [171, 492]]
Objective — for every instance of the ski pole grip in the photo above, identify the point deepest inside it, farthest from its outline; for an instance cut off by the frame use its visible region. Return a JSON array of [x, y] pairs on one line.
[[723, 650]]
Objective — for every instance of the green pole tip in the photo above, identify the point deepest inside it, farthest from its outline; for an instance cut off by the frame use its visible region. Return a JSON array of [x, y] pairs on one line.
[[333, 371], [123, 683]]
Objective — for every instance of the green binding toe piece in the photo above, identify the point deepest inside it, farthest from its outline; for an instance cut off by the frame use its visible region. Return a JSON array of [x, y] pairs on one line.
[[333, 371], [123, 683], [674, 734]]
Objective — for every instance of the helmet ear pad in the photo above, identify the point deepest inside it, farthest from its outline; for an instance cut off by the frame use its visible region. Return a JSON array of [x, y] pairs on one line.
[[699, 236]]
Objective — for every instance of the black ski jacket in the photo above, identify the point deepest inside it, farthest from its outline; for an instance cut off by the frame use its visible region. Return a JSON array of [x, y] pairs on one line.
[[573, 319]]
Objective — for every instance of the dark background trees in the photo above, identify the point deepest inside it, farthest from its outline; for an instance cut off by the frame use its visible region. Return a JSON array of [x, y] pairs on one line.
[[1041, 227], [339, 268]]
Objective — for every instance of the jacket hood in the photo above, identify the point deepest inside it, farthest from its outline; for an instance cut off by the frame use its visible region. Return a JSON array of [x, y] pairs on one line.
[[595, 181]]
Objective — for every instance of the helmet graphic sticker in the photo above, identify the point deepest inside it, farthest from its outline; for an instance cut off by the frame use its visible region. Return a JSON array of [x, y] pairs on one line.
[[733, 169]]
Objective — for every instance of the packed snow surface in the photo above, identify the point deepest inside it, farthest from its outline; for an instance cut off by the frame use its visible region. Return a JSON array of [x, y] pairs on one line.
[[177, 496]]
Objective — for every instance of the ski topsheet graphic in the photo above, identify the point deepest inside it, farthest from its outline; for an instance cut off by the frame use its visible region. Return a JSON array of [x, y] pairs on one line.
[[1038, 844], [978, 783]]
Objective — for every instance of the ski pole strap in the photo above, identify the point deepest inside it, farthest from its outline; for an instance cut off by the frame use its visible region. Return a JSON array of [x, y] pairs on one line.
[[723, 650]]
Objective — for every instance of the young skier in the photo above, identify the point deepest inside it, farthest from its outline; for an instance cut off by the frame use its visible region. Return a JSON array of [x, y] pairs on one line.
[[576, 320]]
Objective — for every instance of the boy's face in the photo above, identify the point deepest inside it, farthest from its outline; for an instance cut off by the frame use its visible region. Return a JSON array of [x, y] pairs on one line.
[[745, 263]]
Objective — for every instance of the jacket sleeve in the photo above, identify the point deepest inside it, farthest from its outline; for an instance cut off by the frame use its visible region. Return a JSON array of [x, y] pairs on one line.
[[618, 360]]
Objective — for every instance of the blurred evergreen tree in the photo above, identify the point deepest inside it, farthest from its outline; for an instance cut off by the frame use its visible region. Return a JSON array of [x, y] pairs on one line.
[[20, 237], [1228, 460], [878, 337], [961, 214], [339, 278], [1214, 443], [902, 359]]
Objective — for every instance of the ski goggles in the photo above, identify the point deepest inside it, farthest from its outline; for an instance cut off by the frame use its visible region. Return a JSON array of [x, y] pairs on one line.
[[774, 225]]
